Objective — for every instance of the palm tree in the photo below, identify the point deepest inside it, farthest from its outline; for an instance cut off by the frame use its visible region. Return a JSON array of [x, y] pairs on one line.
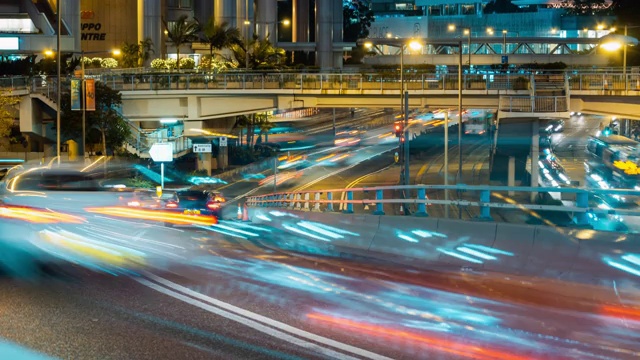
[[220, 36], [182, 32], [262, 54], [145, 49]]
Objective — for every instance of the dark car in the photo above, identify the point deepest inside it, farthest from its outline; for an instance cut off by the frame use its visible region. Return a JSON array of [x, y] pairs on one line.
[[555, 126], [196, 202]]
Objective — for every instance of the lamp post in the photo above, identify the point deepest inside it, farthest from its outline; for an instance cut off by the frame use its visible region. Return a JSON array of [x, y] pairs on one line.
[[613, 42], [402, 45], [58, 87], [115, 52], [468, 33], [246, 43], [504, 42], [285, 23]]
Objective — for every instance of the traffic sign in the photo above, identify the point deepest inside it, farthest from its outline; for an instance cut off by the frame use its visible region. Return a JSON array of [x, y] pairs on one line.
[[505, 59], [223, 141], [201, 148], [161, 152]]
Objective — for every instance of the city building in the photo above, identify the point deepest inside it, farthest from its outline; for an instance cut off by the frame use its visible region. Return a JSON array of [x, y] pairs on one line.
[[541, 21], [99, 26]]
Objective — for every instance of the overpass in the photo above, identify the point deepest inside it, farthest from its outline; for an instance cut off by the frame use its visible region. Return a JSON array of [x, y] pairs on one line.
[[195, 97]]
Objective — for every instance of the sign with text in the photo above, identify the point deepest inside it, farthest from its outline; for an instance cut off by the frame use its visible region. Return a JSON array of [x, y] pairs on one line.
[[223, 141], [76, 90], [201, 148], [91, 31], [90, 94], [505, 59]]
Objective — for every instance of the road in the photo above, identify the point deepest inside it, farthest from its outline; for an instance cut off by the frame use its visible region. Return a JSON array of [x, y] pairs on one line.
[[229, 292]]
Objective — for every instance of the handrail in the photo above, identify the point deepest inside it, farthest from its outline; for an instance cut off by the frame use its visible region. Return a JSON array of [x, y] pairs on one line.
[[598, 83], [303, 199]]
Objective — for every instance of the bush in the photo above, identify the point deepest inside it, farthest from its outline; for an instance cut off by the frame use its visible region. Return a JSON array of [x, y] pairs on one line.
[[521, 83], [187, 63], [109, 63], [96, 62], [170, 64], [158, 64]]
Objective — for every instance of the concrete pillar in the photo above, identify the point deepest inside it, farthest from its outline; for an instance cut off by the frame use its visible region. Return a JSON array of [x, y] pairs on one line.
[[153, 28], [70, 12], [225, 10], [204, 162], [300, 21], [535, 153], [266, 19], [337, 33], [223, 157], [324, 33], [511, 179]]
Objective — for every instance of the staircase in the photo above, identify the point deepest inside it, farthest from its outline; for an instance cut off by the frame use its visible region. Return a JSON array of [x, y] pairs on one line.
[[549, 85], [45, 8]]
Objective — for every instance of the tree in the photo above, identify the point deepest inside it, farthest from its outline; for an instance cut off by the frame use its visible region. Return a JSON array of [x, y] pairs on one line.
[[264, 125], [129, 54], [145, 49], [182, 32], [501, 7], [7, 115], [262, 54], [586, 7], [112, 129], [357, 18], [220, 36]]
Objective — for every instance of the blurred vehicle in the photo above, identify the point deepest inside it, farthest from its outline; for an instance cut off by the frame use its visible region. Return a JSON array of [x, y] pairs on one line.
[[349, 137], [555, 126], [196, 202], [144, 199], [608, 222]]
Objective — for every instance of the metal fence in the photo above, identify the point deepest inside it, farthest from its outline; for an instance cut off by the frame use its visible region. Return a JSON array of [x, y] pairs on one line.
[[531, 104], [323, 200]]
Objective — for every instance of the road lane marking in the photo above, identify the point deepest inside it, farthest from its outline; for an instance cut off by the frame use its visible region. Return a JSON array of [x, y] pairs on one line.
[[422, 170], [276, 328], [247, 322], [356, 181]]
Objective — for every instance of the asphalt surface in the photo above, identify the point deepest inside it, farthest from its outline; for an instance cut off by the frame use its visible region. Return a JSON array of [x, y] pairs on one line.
[[228, 292]]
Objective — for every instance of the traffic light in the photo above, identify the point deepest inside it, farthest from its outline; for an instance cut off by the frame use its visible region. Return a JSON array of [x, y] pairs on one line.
[[398, 129]]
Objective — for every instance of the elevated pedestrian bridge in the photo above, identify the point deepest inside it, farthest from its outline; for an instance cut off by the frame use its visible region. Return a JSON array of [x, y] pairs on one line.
[[201, 97]]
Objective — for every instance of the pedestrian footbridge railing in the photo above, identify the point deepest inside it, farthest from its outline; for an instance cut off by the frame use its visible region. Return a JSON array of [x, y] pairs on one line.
[[326, 200], [534, 104]]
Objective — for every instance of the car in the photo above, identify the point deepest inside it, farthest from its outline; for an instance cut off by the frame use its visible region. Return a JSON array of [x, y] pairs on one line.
[[196, 202], [144, 199], [555, 126]]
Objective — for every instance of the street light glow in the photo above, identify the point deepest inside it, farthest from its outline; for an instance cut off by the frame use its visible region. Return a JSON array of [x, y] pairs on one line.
[[389, 35], [368, 44], [600, 27], [247, 22], [452, 27], [554, 30], [612, 46], [504, 32], [286, 22], [415, 45], [116, 52], [490, 31], [48, 52], [466, 31]]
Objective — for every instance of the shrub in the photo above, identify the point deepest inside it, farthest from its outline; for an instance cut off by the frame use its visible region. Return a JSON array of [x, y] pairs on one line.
[[170, 64], [96, 62], [109, 63], [158, 64], [187, 63]]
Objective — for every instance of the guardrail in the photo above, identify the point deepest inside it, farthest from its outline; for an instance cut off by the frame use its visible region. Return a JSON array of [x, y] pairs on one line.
[[534, 104], [313, 199], [14, 83]]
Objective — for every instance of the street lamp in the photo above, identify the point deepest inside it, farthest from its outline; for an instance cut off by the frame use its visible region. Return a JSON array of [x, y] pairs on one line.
[[246, 43], [468, 33], [285, 23], [613, 42], [115, 52]]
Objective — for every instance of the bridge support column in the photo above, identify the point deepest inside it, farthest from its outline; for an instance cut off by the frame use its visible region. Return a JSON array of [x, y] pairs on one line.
[[204, 162], [535, 154], [422, 206], [511, 179]]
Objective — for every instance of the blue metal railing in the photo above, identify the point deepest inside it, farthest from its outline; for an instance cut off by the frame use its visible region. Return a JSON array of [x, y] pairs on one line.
[[314, 199]]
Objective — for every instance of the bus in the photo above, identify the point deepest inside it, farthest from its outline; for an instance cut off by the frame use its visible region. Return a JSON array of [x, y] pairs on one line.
[[613, 161]]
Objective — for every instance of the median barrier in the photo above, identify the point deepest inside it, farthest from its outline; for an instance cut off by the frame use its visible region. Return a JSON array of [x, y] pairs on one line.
[[466, 242], [577, 255], [553, 253], [408, 237], [512, 245]]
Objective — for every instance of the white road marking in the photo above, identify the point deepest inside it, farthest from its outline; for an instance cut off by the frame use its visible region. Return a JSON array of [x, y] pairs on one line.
[[253, 320]]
